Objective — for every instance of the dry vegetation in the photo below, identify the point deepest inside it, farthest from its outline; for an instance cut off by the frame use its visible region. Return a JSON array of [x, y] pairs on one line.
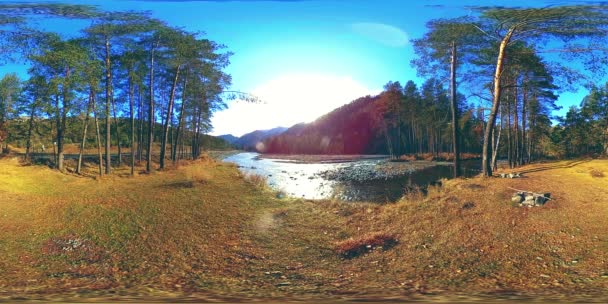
[[203, 231], [437, 156]]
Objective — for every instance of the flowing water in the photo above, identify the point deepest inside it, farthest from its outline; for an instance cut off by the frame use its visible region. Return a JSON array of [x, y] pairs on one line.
[[311, 181]]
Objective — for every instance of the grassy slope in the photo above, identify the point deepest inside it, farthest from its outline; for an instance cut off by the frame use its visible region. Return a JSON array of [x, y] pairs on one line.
[[205, 231]]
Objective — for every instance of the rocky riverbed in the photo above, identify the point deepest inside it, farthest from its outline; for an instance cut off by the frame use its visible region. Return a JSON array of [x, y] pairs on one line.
[[375, 170], [354, 178]]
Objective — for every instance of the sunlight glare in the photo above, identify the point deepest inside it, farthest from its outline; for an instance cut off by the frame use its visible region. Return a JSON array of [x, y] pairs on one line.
[[288, 100]]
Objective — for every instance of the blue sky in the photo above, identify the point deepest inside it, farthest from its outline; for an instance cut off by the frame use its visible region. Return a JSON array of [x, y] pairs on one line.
[[304, 57]]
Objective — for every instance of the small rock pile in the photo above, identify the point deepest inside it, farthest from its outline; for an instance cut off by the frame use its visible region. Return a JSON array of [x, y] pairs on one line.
[[530, 199], [510, 175]]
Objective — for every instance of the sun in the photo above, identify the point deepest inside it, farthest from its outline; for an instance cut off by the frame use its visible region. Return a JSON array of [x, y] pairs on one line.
[[287, 100]]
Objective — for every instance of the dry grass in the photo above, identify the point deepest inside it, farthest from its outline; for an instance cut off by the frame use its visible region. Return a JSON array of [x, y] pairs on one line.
[[177, 230], [214, 232], [466, 237]]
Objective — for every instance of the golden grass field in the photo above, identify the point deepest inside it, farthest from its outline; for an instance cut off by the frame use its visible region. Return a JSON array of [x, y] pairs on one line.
[[203, 231]]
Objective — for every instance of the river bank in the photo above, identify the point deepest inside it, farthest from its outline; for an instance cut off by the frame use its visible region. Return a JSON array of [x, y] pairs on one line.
[[204, 232], [370, 178], [325, 158], [378, 170]]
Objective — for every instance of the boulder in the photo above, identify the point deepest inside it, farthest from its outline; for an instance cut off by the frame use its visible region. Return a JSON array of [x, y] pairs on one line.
[[528, 202], [542, 199], [530, 199], [517, 198]]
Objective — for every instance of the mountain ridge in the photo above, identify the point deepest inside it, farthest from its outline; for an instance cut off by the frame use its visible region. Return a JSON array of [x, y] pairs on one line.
[[249, 140]]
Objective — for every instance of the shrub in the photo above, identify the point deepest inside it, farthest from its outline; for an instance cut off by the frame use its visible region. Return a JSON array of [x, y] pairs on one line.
[[257, 180], [407, 157], [198, 175], [443, 156], [596, 173]]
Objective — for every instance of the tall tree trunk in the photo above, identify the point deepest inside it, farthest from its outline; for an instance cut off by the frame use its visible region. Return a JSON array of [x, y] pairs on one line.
[[60, 152], [496, 146], [116, 126], [58, 133], [30, 128], [606, 138], [455, 114], [132, 114], [168, 119], [84, 136], [109, 97], [485, 162], [98, 134], [509, 135], [516, 126], [151, 113], [61, 139], [530, 136], [140, 114], [61, 121], [180, 123], [389, 144], [523, 120], [195, 142]]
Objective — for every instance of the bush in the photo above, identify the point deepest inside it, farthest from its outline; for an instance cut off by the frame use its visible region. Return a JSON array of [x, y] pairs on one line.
[[257, 180], [437, 157], [596, 173]]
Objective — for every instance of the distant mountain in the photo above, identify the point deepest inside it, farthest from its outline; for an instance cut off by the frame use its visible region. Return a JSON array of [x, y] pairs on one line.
[[250, 140], [354, 128], [229, 138]]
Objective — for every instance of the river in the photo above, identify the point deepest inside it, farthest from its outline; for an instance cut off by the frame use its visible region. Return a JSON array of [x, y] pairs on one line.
[[372, 180]]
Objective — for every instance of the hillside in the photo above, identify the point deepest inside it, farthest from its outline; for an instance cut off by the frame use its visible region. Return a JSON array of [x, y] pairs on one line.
[[229, 138], [203, 232], [250, 140], [355, 128]]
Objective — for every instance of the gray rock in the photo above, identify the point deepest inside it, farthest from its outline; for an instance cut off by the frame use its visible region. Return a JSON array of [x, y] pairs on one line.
[[468, 205], [541, 200], [517, 198], [529, 201]]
